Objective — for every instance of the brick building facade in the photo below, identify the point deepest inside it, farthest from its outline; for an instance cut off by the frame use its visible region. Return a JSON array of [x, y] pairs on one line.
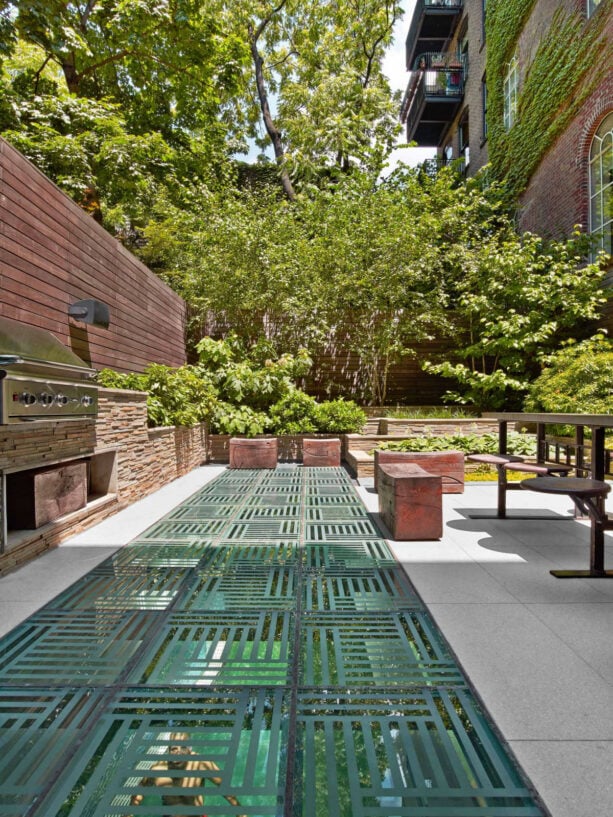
[[557, 194]]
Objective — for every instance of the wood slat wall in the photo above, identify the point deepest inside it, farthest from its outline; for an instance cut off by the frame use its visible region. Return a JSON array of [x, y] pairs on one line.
[[337, 372], [53, 254]]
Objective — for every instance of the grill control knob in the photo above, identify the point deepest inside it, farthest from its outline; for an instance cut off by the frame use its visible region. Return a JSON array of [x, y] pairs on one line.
[[61, 400], [87, 400], [45, 399], [27, 398]]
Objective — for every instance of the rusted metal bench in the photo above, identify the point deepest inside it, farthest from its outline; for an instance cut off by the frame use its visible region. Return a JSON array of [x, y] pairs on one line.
[[449, 465], [410, 501], [510, 462], [589, 497]]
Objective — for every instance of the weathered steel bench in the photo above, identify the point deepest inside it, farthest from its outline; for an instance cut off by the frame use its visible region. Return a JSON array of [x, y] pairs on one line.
[[510, 462], [449, 465], [588, 496], [410, 501]]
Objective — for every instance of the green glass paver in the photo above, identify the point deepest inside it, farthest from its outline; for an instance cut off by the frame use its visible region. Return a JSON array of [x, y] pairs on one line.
[[181, 531], [242, 588], [343, 500], [335, 513], [203, 511], [224, 557], [381, 649], [288, 510], [359, 590], [38, 731], [430, 752], [339, 531], [223, 649], [273, 499], [366, 554], [137, 557], [263, 625], [263, 529], [151, 590], [241, 731], [78, 648]]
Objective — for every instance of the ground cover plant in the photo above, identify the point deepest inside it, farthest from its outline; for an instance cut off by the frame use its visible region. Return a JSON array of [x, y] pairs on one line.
[[517, 443]]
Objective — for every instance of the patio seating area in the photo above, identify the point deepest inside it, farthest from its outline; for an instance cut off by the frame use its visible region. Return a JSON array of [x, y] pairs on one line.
[[535, 649]]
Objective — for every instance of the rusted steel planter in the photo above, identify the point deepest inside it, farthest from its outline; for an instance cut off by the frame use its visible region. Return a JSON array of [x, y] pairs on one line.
[[321, 452], [253, 453], [289, 445]]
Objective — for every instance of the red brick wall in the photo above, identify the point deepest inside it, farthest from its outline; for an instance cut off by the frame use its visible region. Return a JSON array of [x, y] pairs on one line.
[[53, 254], [557, 197], [472, 104]]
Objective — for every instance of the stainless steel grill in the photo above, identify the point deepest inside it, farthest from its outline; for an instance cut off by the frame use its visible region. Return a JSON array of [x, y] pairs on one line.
[[40, 379]]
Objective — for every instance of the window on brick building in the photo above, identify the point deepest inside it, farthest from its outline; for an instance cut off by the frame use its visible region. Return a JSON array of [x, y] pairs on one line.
[[511, 82], [601, 184], [592, 6]]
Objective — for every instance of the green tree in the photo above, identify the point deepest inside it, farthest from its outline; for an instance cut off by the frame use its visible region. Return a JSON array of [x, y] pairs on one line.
[[320, 64], [518, 299], [576, 378]]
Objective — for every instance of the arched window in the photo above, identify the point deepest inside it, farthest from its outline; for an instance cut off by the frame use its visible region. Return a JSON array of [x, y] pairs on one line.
[[601, 184]]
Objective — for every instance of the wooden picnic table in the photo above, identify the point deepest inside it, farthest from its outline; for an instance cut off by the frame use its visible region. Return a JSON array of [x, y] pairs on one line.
[[588, 495], [596, 423]]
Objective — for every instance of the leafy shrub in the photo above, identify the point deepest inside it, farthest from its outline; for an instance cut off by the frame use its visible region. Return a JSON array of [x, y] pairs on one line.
[[176, 397], [578, 378], [244, 377], [340, 416], [241, 421], [296, 413], [521, 444]]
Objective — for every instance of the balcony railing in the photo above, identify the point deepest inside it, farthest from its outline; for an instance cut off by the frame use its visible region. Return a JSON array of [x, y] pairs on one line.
[[432, 24], [434, 91]]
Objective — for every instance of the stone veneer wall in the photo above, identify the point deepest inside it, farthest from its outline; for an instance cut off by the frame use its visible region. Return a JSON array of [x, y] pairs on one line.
[[145, 459]]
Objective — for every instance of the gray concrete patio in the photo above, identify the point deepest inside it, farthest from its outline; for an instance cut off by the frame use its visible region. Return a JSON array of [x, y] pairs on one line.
[[537, 649]]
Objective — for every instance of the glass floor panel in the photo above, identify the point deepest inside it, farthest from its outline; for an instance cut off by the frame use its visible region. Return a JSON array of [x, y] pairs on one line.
[[258, 651]]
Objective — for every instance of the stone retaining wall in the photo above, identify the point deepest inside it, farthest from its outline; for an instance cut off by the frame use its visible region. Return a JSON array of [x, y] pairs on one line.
[[135, 459]]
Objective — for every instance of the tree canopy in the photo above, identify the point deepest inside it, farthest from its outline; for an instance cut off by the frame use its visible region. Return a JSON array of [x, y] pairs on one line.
[[139, 109]]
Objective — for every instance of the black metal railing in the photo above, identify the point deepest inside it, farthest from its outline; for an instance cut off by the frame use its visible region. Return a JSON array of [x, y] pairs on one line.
[[434, 76], [429, 8]]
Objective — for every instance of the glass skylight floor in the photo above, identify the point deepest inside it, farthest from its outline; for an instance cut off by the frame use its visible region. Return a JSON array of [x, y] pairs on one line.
[[258, 651]]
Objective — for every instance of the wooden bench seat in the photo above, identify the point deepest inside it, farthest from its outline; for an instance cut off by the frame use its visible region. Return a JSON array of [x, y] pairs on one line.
[[410, 501], [511, 462]]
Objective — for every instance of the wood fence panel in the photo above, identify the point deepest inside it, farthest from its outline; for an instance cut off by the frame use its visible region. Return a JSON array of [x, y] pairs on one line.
[[53, 254]]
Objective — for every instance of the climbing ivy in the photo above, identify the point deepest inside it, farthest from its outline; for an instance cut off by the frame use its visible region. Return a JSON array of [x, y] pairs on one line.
[[564, 71]]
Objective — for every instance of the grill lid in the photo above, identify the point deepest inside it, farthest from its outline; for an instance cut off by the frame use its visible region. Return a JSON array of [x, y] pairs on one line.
[[36, 351]]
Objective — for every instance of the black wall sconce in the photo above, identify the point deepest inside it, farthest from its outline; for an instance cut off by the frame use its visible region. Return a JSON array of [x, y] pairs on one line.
[[90, 311]]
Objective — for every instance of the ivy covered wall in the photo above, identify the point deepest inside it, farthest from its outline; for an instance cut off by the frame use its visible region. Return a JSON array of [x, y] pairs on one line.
[[560, 65]]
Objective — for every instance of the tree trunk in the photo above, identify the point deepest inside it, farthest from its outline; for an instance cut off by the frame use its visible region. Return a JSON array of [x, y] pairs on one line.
[[269, 123]]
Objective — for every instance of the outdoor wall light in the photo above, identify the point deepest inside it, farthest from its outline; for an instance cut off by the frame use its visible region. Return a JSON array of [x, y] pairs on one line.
[[90, 311]]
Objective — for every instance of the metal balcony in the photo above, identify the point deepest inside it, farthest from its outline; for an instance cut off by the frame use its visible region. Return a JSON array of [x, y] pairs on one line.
[[432, 25], [433, 96]]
